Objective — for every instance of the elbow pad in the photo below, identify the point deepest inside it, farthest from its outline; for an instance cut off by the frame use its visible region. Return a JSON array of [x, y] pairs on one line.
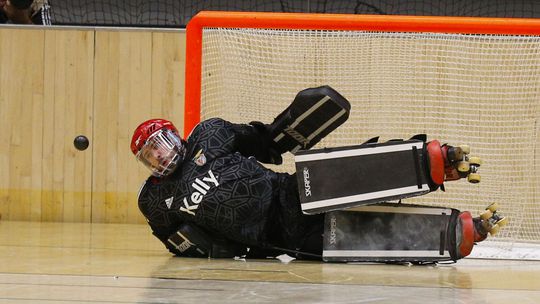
[[191, 241], [254, 140]]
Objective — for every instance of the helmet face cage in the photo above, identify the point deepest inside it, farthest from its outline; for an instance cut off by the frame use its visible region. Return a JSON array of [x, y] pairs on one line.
[[162, 152]]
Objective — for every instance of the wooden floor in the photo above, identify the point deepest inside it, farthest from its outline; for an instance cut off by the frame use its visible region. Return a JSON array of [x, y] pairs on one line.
[[112, 263]]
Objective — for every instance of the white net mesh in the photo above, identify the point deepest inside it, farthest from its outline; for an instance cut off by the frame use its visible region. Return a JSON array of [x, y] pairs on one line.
[[481, 90]]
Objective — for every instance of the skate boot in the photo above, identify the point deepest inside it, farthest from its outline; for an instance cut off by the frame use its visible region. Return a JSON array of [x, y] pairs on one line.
[[448, 163], [470, 231]]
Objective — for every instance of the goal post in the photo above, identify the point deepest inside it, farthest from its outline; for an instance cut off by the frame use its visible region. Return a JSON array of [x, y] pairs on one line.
[[462, 80]]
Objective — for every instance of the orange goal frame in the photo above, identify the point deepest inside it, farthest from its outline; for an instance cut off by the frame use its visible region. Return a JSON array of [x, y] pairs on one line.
[[304, 21]]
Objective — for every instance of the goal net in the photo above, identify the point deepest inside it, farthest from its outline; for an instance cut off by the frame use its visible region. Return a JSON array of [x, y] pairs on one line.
[[460, 80]]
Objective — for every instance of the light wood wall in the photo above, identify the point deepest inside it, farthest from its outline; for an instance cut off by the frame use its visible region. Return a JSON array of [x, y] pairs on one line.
[[57, 83]]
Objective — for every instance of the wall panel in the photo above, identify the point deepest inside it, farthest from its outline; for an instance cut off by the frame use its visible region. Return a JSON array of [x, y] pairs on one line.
[[57, 83], [21, 122], [68, 57]]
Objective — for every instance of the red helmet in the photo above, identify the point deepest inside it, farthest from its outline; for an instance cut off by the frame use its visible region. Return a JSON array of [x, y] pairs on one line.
[[158, 146]]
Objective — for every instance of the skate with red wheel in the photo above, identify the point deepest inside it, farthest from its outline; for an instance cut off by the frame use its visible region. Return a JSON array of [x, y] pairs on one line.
[[450, 163], [474, 230]]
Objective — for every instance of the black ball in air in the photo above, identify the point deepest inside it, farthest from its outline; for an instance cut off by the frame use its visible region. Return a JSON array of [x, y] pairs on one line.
[[81, 142]]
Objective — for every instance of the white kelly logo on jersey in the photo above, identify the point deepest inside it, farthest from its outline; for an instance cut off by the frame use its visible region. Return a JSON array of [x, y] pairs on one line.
[[200, 187]]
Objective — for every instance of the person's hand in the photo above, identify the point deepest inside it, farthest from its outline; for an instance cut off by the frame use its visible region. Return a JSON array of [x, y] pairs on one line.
[[17, 16]]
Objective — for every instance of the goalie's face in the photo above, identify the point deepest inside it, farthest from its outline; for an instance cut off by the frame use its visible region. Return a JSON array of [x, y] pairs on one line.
[[158, 147]]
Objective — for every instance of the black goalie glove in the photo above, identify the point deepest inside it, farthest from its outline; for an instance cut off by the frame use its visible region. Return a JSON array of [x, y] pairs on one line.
[[254, 140]]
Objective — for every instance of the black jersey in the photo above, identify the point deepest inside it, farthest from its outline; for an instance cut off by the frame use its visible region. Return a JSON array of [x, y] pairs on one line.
[[221, 187]]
